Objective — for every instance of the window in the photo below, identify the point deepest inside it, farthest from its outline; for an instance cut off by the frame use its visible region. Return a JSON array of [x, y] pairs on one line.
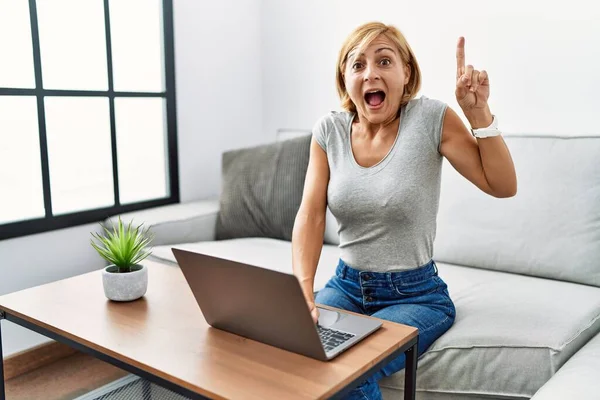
[[87, 111]]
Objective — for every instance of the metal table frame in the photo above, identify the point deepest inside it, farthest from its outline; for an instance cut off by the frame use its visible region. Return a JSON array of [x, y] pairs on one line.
[[409, 349]]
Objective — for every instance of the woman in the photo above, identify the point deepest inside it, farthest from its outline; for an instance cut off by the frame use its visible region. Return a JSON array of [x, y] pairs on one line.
[[377, 165]]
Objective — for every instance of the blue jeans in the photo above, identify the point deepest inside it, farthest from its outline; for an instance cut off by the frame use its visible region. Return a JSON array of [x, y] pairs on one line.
[[417, 297]]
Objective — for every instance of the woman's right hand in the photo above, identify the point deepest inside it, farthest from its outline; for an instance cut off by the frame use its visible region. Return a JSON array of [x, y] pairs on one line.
[[314, 311]]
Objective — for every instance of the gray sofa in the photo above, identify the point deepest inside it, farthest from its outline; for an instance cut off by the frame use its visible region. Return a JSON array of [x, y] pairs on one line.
[[524, 274]]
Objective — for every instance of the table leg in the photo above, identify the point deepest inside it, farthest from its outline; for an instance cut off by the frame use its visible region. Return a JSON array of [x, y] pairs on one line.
[[410, 376], [2, 392]]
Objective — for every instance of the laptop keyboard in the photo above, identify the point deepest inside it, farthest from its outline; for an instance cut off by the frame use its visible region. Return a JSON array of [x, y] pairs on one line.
[[330, 338]]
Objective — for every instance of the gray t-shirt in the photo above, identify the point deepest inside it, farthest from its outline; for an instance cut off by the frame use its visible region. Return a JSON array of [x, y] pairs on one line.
[[386, 213]]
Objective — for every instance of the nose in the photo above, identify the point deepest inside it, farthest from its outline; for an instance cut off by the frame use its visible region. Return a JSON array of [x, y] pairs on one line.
[[371, 73]]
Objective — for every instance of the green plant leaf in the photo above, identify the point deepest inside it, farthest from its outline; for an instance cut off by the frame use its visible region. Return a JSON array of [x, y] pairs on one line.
[[124, 245], [103, 253]]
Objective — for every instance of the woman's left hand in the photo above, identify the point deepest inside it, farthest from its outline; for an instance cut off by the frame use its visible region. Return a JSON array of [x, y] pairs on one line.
[[472, 89]]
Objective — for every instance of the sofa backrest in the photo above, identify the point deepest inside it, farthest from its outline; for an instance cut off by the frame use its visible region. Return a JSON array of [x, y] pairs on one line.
[[550, 229]]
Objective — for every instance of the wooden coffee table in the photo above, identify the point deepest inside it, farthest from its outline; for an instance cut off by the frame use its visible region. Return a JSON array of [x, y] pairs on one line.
[[164, 338]]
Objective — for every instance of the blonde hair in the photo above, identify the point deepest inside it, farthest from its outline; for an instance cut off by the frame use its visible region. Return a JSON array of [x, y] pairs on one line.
[[362, 37]]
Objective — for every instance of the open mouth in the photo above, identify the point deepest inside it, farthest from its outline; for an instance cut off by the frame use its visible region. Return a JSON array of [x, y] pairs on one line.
[[375, 98]]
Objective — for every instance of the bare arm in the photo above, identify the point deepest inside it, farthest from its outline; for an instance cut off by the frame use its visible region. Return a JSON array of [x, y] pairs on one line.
[[485, 162], [309, 226]]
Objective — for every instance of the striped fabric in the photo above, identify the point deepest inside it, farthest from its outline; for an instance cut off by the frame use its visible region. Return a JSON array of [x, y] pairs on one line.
[[262, 189]]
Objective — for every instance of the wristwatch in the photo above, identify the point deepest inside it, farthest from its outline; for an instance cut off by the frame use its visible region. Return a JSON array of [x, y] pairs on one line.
[[490, 131]]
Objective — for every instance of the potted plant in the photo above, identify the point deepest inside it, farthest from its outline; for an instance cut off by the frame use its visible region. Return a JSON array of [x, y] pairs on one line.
[[125, 279]]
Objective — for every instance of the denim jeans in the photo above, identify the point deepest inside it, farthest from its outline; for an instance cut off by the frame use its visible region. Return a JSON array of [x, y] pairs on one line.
[[417, 297]]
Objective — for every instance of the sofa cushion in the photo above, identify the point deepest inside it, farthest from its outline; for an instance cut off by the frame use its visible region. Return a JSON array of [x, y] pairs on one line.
[[511, 334], [578, 378], [263, 252], [551, 228], [262, 189]]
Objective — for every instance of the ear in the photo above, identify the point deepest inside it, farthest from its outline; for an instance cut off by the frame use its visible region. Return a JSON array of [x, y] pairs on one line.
[[406, 74]]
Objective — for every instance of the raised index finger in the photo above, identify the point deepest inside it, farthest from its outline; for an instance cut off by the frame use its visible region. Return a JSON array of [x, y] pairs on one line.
[[460, 57]]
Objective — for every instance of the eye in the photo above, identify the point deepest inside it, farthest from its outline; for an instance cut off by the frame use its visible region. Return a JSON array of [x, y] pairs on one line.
[[385, 61], [357, 65]]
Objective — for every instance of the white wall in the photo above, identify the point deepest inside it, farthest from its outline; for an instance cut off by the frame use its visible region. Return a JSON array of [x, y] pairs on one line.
[[542, 57], [218, 84], [219, 93]]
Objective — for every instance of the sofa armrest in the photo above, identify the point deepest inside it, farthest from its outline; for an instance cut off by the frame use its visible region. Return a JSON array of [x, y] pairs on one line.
[[176, 223], [578, 378]]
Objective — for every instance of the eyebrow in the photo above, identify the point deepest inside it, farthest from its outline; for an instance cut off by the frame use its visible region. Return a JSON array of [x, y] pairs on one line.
[[376, 51]]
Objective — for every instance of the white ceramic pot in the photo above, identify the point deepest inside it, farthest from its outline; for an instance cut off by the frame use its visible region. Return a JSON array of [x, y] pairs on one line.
[[125, 286]]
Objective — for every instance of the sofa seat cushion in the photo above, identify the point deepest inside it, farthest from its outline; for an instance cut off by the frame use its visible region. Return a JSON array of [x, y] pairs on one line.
[[263, 252], [511, 334], [578, 378]]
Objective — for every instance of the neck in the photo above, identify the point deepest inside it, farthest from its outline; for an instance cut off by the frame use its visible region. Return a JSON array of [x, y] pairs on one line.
[[388, 126]]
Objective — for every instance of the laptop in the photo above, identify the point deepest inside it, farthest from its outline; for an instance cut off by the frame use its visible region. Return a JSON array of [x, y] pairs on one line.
[[268, 306]]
